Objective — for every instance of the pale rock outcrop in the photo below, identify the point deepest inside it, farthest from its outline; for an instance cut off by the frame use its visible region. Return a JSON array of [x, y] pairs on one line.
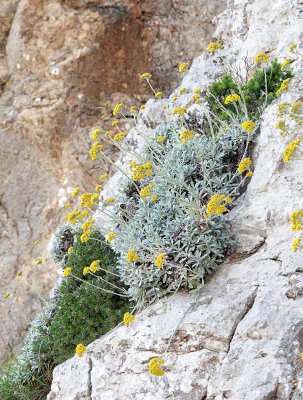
[[244, 338], [64, 64]]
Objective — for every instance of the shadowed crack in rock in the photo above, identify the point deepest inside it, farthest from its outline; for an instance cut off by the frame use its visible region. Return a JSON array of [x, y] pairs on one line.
[[249, 305], [89, 381]]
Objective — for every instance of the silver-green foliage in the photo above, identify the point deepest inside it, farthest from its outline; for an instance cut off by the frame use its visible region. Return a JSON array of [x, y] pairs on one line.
[[184, 178]]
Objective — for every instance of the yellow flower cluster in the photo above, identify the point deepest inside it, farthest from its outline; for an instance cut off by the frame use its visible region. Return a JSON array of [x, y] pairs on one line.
[[98, 188], [110, 236], [284, 86], [296, 219], [107, 133], [142, 107], [296, 244], [80, 349], [283, 126], [215, 204], [282, 109], [244, 165], [132, 256], [295, 105], [183, 67], [39, 261], [118, 137], [231, 98], [117, 108], [248, 126], [213, 47], [19, 273], [146, 76], [146, 191], [133, 110], [85, 271], [285, 63], [197, 90], [70, 250], [160, 139], [36, 241], [158, 94], [104, 176], [67, 271], [86, 227], [154, 366], [187, 135], [128, 318], [261, 57], [110, 200], [159, 261], [75, 191], [94, 266], [181, 90], [140, 171], [174, 98], [67, 205], [96, 133], [114, 123], [87, 199], [179, 110], [75, 215], [293, 47], [6, 295], [94, 150], [290, 149]]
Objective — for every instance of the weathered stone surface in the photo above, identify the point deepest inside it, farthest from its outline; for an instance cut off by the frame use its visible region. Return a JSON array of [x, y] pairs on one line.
[[244, 337], [64, 64]]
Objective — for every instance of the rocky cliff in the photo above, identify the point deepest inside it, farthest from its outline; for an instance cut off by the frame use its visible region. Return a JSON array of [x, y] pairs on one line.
[[244, 337], [63, 66]]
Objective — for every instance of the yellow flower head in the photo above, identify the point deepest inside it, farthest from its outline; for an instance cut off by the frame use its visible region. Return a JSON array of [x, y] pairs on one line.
[[86, 270], [142, 107], [295, 106], [187, 135], [94, 150], [134, 111], [94, 266], [67, 205], [213, 47], [36, 241], [215, 204], [293, 47], [158, 95], [146, 191], [98, 188], [248, 126], [244, 165], [174, 98], [181, 90], [290, 149], [131, 256], [19, 273], [146, 76], [128, 318], [261, 57], [183, 67], [296, 219], [114, 123], [195, 96], [160, 139], [285, 63], [296, 244], [67, 271], [107, 133], [104, 176], [197, 90], [249, 174], [118, 137], [70, 250], [39, 261], [117, 108], [6, 295], [80, 349], [231, 98], [179, 110], [164, 107], [159, 261], [96, 133], [84, 237], [284, 86], [110, 236], [110, 200], [75, 191], [154, 366]]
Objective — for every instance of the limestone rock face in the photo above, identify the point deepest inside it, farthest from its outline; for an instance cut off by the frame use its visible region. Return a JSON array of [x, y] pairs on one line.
[[243, 338], [64, 64]]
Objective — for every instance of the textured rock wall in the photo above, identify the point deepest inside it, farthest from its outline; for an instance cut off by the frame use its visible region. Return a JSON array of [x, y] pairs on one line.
[[244, 337], [64, 64]]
